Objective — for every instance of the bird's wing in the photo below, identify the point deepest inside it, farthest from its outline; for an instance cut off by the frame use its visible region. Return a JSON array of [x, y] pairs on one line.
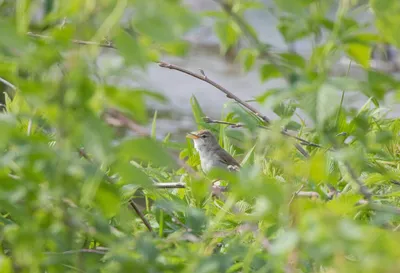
[[227, 159]]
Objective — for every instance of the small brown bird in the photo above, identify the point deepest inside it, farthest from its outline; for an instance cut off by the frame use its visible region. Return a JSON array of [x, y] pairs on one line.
[[211, 154]]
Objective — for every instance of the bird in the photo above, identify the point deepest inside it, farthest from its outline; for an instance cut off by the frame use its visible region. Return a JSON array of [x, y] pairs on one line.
[[212, 155]]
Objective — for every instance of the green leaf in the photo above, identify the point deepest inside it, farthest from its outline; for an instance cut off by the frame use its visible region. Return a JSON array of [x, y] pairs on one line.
[[328, 101], [163, 21], [196, 110], [227, 34], [293, 59], [247, 118], [7, 125], [97, 145], [128, 100], [131, 49], [387, 19], [359, 53], [5, 264], [247, 57], [285, 110], [108, 199], [146, 150], [131, 174], [269, 71]]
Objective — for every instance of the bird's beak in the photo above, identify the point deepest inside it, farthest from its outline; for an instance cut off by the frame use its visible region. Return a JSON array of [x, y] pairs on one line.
[[192, 136]]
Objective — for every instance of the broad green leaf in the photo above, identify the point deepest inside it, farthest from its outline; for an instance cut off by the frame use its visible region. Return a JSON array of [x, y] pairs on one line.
[[131, 49], [387, 19], [130, 174], [7, 125], [227, 33], [108, 199], [146, 150], [293, 59], [5, 264], [328, 101], [269, 71], [247, 58], [128, 100], [295, 7], [359, 53]]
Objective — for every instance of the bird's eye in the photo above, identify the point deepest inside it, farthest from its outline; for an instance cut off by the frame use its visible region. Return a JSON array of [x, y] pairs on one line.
[[204, 136]]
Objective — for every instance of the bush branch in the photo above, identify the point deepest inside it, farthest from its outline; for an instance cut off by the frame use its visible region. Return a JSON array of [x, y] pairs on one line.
[[229, 94]]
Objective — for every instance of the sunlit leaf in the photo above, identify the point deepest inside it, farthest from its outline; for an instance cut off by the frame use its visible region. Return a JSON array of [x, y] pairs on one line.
[[359, 53]]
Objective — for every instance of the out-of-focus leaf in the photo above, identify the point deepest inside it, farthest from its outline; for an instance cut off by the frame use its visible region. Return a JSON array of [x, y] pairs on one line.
[[163, 21], [328, 101], [7, 125], [293, 59], [359, 53], [108, 199], [131, 174], [269, 71], [387, 19], [247, 57], [5, 264], [245, 117], [297, 7], [381, 83], [146, 150], [131, 101], [227, 33], [285, 110], [196, 220], [293, 29], [10, 40], [130, 49]]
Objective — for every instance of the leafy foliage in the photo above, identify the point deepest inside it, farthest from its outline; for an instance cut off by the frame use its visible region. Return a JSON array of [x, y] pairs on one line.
[[67, 176]]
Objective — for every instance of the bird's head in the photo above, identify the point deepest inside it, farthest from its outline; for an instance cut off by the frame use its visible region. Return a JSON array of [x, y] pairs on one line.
[[203, 139]]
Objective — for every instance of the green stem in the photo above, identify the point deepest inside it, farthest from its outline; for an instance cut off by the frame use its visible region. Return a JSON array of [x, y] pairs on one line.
[[342, 98]]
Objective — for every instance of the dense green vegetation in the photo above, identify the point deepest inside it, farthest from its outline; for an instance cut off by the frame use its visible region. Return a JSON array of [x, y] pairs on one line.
[[67, 174]]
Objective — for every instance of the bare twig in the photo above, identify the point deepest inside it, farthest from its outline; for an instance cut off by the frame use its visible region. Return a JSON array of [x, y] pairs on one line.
[[140, 214], [170, 185], [361, 186], [239, 125], [101, 251], [295, 194], [218, 86]]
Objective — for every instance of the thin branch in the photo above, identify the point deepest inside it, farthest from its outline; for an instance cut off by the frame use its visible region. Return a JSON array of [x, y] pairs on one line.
[[229, 94], [85, 250], [295, 194], [140, 214], [363, 189], [240, 125], [218, 86], [170, 185]]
